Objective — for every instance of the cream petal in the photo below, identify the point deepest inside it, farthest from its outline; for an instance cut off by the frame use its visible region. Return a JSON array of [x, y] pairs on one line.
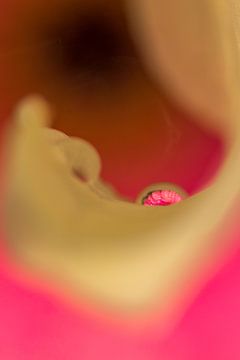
[[188, 48], [82, 158], [70, 211]]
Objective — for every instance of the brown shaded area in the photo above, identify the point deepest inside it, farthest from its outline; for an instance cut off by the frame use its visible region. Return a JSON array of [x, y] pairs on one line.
[[99, 89]]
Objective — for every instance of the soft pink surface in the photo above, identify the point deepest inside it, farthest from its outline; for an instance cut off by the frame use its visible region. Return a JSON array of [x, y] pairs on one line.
[[35, 325], [187, 156]]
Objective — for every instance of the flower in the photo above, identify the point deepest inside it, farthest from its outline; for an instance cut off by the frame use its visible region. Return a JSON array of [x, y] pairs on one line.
[[147, 251]]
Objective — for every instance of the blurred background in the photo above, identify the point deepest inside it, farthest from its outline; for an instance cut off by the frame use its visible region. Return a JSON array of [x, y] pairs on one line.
[[83, 57]]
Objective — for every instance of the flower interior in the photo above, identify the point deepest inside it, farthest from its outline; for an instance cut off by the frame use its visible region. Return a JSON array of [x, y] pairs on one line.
[[82, 58]]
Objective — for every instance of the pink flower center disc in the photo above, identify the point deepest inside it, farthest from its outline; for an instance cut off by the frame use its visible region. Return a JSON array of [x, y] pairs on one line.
[[162, 198]]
